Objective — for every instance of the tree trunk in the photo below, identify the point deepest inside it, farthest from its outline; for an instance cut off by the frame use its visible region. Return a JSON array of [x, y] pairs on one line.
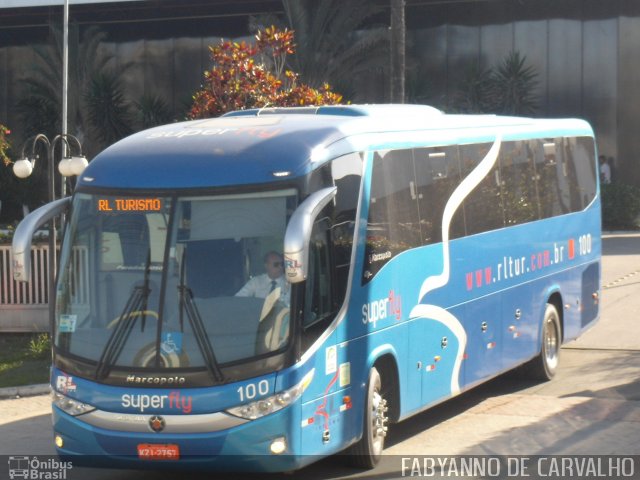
[[398, 30]]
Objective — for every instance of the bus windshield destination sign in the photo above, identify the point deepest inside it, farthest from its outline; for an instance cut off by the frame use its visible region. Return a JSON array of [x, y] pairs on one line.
[[129, 205]]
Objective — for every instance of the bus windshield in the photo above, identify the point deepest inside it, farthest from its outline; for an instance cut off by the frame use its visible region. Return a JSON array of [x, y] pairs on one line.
[[166, 282]]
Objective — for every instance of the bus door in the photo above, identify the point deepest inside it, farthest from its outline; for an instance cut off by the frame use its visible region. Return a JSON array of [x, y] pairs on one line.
[[483, 355], [436, 341]]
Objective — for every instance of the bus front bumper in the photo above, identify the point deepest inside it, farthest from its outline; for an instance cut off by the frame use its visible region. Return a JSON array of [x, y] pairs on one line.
[[247, 447]]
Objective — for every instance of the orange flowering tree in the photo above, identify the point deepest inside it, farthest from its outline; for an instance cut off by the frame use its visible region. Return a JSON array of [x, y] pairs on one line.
[[254, 76], [4, 144]]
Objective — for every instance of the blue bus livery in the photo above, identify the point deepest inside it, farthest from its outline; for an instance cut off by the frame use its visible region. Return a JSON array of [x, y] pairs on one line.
[[422, 254]]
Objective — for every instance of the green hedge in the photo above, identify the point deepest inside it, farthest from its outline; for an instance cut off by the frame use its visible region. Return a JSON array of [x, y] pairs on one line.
[[620, 206]]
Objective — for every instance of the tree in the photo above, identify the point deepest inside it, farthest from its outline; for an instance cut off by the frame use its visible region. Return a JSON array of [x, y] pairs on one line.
[[476, 92], [514, 84], [108, 114], [42, 85], [90, 79], [5, 145], [507, 89], [152, 111], [13, 194], [338, 42], [255, 75]]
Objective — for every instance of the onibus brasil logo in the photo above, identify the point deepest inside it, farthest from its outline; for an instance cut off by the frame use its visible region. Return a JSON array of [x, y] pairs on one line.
[[22, 466]]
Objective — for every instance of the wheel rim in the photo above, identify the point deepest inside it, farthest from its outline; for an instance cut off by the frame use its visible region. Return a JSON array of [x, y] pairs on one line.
[[379, 420], [551, 343]]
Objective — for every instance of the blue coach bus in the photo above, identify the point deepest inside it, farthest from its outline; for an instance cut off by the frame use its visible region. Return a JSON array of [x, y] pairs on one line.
[[420, 254]]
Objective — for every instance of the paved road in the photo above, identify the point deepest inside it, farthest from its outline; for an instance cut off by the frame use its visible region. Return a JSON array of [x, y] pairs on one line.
[[592, 407]]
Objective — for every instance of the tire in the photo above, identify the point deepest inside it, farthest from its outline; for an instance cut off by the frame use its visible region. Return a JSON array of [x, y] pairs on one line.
[[544, 366], [366, 453]]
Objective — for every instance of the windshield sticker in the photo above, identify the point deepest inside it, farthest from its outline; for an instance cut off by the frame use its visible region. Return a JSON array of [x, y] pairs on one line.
[[67, 323], [130, 205], [65, 384], [345, 374], [171, 343], [331, 360]]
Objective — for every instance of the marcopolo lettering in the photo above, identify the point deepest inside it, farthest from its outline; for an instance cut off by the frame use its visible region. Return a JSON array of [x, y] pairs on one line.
[[160, 381]]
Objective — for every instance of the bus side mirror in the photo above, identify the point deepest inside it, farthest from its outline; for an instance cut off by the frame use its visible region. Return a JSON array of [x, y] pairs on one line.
[[21, 246], [296, 238]]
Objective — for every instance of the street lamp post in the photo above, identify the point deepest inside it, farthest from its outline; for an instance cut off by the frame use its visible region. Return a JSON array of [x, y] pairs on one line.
[[68, 166]]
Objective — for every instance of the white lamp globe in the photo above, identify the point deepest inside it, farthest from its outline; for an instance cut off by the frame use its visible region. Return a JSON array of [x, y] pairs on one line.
[[22, 168], [78, 164], [65, 167]]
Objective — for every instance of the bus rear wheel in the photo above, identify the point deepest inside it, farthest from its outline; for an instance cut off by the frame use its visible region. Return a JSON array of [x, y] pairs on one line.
[[368, 451], [544, 366]]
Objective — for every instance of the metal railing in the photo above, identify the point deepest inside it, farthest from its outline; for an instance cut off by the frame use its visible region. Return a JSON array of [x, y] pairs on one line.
[[35, 292], [24, 306]]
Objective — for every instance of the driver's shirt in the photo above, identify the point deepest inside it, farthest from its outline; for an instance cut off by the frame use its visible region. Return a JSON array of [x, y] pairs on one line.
[[261, 285]]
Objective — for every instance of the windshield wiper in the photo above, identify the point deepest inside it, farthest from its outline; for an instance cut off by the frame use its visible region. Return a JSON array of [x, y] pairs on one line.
[[193, 315], [137, 302]]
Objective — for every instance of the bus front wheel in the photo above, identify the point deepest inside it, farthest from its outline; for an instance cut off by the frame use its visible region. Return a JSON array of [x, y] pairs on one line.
[[544, 366], [366, 453]]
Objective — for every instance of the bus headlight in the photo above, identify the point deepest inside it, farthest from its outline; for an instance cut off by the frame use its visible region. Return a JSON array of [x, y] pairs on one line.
[[69, 405], [268, 405]]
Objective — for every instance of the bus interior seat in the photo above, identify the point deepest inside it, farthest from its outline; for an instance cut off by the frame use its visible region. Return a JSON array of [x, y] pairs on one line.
[[273, 330]]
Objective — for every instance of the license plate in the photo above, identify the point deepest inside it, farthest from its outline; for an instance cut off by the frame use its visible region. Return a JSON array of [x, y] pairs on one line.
[[153, 451]]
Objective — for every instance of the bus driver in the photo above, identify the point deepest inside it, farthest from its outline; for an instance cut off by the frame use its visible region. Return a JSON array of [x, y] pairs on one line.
[[262, 285]]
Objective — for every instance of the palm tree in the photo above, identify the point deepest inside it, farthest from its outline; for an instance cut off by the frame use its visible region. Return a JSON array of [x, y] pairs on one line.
[[334, 42], [40, 102], [476, 93], [107, 110], [507, 88], [514, 83]]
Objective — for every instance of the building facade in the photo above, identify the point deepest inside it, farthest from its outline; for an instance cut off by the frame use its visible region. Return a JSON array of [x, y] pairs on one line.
[[583, 51]]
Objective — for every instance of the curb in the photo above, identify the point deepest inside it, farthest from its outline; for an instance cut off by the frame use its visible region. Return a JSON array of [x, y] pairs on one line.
[[24, 391]]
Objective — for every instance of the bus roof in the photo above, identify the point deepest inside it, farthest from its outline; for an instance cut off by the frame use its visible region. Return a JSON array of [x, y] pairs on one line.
[[260, 146]]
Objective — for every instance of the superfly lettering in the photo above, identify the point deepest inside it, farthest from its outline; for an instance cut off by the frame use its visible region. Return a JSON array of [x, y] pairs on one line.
[[378, 310], [174, 401]]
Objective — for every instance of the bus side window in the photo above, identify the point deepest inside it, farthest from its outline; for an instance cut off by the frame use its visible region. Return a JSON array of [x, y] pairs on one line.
[[318, 305], [483, 208], [393, 225], [437, 176], [582, 152], [518, 183], [571, 175], [551, 182]]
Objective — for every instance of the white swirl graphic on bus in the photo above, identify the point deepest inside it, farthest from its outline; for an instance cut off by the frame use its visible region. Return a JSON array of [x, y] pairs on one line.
[[434, 312]]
